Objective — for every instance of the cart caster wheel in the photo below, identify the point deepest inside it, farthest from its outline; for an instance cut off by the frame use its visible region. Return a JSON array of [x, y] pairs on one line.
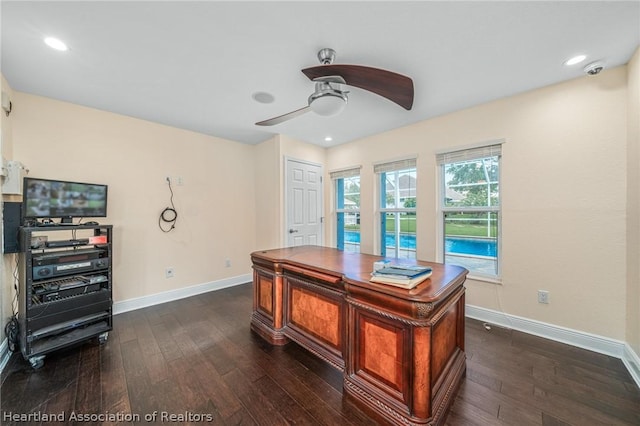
[[36, 362], [102, 337]]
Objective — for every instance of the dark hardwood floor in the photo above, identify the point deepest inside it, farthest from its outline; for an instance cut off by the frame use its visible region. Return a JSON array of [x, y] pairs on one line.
[[196, 359]]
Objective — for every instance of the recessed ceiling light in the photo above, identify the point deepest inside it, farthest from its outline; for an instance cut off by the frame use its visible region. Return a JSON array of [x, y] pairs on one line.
[[328, 139], [55, 43], [263, 97], [575, 60]]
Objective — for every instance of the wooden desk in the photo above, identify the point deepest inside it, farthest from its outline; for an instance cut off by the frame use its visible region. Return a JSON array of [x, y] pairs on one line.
[[401, 351]]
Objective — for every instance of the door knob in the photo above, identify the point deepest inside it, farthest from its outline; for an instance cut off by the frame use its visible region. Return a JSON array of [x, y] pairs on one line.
[[291, 231]]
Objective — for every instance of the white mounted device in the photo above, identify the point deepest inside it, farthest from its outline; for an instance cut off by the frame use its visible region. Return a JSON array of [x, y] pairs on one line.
[[14, 171]]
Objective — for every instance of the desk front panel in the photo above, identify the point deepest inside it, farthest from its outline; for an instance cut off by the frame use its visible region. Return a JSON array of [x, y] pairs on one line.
[[406, 369], [315, 316], [266, 319], [381, 352]]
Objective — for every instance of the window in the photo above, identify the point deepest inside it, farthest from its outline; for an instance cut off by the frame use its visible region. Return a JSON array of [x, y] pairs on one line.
[[398, 208], [471, 209], [347, 187]]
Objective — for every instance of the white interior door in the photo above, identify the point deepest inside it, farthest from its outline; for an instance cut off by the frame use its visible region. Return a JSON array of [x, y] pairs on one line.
[[303, 201]]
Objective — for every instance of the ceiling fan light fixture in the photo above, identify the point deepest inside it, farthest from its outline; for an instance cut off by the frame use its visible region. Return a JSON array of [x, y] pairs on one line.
[[328, 103]]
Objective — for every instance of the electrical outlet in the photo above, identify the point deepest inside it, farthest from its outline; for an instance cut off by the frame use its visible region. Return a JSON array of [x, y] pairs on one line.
[[179, 181], [169, 273], [543, 296], [227, 263]]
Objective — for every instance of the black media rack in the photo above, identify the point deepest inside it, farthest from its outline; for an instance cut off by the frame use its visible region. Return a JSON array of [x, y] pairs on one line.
[[65, 290]]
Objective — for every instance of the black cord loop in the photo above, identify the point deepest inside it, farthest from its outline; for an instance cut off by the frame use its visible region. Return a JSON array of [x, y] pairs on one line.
[[169, 214]]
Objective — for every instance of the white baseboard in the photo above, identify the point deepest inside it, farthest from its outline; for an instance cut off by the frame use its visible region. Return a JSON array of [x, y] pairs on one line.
[[168, 296], [632, 362], [592, 342]]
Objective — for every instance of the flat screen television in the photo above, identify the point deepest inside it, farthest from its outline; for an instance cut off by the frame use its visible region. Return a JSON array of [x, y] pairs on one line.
[[49, 199]]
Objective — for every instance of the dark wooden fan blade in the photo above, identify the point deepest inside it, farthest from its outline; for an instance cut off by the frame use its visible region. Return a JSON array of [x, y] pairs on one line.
[[284, 117], [395, 87]]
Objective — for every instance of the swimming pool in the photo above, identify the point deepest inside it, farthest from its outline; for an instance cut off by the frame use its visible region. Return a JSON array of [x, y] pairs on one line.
[[472, 246], [454, 245]]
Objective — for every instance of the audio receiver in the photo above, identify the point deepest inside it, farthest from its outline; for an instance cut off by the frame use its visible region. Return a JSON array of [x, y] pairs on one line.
[[74, 261]]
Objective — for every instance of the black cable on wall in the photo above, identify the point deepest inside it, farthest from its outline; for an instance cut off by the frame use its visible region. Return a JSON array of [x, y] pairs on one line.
[[169, 215]]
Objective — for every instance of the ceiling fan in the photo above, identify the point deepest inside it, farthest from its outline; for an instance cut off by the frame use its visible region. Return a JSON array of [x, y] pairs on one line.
[[330, 96]]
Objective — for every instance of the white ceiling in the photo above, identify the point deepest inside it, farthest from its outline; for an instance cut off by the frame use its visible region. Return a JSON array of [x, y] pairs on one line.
[[195, 65]]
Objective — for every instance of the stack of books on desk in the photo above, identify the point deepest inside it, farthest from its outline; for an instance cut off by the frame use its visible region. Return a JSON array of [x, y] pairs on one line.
[[405, 276]]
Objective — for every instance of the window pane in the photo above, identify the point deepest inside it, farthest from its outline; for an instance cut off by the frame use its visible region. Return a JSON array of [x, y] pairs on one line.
[[389, 190], [352, 232], [471, 193], [407, 186], [348, 214], [351, 198], [400, 235], [398, 229], [399, 189], [472, 183], [471, 241], [389, 235], [491, 164]]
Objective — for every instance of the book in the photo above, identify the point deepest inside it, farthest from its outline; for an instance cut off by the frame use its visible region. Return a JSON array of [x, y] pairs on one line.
[[402, 282], [402, 271], [405, 276]]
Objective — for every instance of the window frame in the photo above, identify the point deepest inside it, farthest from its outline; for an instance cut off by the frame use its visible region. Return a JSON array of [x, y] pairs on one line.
[[339, 178], [382, 169], [493, 149]]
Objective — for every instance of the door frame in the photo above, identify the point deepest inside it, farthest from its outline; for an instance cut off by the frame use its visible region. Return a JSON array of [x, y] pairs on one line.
[[285, 196]]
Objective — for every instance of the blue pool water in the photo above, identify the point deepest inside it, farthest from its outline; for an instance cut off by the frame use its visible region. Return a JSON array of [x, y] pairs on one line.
[[472, 246]]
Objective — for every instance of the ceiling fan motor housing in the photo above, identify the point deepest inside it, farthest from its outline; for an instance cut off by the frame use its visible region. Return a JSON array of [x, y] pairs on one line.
[[326, 56], [326, 100]]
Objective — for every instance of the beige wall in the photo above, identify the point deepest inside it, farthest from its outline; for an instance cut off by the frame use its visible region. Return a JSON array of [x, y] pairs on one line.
[[216, 203], [269, 159], [633, 209], [7, 263], [267, 187], [563, 197]]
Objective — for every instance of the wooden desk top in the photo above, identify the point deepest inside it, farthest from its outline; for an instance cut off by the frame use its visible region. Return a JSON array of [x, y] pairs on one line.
[[355, 269]]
